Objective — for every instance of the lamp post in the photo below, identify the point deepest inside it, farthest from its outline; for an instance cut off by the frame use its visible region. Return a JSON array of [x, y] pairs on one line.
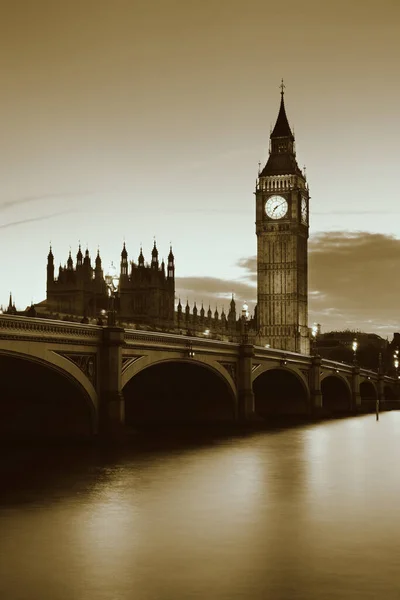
[[245, 317], [396, 362], [314, 333], [112, 281], [354, 347]]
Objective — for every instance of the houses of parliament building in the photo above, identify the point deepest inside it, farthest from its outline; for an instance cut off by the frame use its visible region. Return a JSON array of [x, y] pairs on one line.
[[145, 294], [146, 291]]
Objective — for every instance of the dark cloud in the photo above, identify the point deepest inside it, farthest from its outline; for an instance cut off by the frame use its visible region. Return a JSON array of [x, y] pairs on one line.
[[353, 282]]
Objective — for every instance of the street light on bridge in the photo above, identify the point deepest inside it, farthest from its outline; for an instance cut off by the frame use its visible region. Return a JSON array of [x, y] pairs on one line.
[[112, 282], [354, 348], [396, 362], [245, 317], [314, 333]]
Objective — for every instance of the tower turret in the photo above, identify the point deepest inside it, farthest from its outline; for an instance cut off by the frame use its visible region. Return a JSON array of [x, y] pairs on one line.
[[70, 264], [154, 257], [171, 264], [179, 311], [202, 312], [86, 260], [79, 257], [50, 267], [98, 271], [141, 258], [232, 311], [124, 263]]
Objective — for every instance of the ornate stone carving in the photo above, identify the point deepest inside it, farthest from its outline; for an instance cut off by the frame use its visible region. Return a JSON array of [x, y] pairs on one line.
[[231, 368], [85, 362], [306, 374], [127, 361]]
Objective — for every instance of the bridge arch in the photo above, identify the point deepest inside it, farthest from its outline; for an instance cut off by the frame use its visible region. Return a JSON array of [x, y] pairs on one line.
[[368, 394], [389, 394], [336, 393], [177, 390], [45, 395], [280, 391]]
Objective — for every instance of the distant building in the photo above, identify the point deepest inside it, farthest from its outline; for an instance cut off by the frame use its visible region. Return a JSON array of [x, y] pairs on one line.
[[371, 349], [145, 297], [146, 292]]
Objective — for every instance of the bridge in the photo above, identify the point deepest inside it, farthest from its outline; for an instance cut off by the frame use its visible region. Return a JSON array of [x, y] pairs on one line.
[[60, 377]]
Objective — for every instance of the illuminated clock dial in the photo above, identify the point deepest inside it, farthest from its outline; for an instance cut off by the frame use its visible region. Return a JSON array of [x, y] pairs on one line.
[[304, 210], [276, 207]]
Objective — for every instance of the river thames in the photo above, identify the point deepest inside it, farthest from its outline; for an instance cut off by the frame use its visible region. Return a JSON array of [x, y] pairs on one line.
[[308, 512]]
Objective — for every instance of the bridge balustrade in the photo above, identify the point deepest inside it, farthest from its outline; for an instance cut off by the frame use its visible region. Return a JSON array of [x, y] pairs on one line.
[[101, 361]]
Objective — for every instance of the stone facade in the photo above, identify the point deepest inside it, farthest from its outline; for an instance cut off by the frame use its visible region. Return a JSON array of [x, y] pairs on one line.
[[282, 205], [146, 292]]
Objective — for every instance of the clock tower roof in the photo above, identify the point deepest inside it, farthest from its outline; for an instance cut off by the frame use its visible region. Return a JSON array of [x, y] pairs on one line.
[[282, 157], [281, 164], [282, 127]]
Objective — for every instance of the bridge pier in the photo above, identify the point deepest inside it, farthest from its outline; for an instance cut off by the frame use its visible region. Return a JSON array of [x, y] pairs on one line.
[[380, 392], [355, 389], [315, 385], [111, 400], [246, 410]]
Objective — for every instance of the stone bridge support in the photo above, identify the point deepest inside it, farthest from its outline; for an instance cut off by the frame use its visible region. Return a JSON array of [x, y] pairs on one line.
[[245, 383], [111, 400], [355, 388], [315, 384], [380, 399]]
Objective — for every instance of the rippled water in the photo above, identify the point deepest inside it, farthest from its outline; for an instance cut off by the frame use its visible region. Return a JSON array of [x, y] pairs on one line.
[[309, 512]]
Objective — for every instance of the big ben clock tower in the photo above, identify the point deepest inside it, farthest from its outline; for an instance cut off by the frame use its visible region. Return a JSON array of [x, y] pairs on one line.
[[282, 204]]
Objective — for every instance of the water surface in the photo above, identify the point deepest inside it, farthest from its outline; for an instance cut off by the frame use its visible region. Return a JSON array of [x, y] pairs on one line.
[[304, 513]]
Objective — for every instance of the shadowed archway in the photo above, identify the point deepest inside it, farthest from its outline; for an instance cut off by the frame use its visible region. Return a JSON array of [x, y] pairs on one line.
[[177, 392], [336, 395], [279, 392], [38, 401], [368, 396], [391, 399]]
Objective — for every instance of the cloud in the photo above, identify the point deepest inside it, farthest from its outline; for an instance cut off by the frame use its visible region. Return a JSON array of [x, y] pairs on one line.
[[43, 218], [355, 275], [28, 199], [352, 212], [353, 282], [249, 265], [214, 291]]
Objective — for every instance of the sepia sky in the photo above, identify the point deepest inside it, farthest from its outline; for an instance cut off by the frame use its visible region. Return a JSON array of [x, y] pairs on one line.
[[139, 118]]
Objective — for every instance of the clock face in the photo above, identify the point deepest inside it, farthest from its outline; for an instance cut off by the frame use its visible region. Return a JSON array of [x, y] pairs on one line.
[[276, 207], [304, 210]]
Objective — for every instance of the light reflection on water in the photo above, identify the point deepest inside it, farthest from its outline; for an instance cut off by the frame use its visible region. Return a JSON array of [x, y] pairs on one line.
[[308, 512]]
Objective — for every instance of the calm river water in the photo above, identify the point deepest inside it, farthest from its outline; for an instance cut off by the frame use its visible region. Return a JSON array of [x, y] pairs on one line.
[[311, 512]]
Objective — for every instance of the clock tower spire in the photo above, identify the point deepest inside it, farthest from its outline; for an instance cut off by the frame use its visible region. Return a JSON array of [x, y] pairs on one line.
[[282, 203]]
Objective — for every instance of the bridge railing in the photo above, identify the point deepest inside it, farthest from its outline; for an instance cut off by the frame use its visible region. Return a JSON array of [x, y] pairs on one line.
[[18, 327], [284, 356], [135, 335]]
